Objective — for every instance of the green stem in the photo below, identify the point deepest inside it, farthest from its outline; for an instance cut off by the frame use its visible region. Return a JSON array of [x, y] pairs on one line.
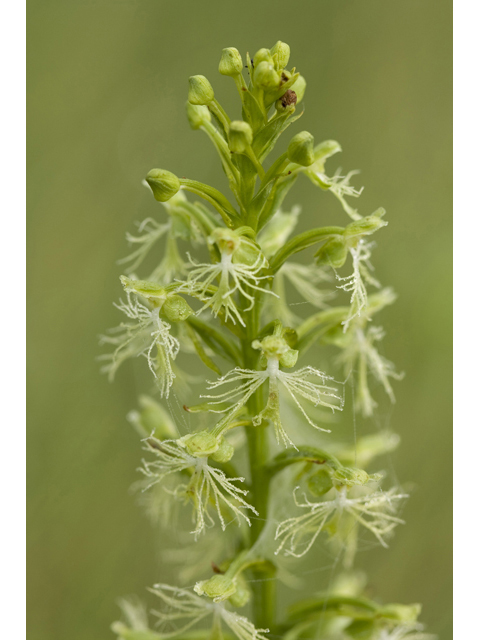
[[264, 600]]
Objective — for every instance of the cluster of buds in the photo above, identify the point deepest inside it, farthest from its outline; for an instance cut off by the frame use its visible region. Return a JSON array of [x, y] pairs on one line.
[[230, 304]]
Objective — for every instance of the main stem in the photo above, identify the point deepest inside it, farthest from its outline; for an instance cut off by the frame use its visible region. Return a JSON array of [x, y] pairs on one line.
[[264, 599]]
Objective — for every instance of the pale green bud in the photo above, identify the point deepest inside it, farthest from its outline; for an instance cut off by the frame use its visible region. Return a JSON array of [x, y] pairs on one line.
[[240, 136], [299, 87], [197, 115], [225, 451], [150, 290], [265, 76], [320, 483], [176, 308], [200, 91], [231, 63], [199, 445], [262, 55], [219, 587], [163, 184], [282, 51], [300, 149]]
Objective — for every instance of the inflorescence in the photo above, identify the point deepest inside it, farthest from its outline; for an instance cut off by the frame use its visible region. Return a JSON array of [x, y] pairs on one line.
[[237, 300]]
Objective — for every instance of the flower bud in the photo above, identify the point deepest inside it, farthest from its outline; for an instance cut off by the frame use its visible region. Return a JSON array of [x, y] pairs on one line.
[[176, 308], [200, 91], [163, 184], [199, 445], [300, 149], [240, 136], [282, 51], [197, 115], [219, 587], [265, 76], [320, 483], [299, 87], [224, 453], [333, 253], [262, 55], [231, 63]]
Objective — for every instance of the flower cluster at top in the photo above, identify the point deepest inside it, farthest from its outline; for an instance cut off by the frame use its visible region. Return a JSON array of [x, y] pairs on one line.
[[227, 300]]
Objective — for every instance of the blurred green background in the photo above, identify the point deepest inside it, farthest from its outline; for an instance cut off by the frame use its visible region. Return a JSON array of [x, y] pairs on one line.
[[108, 82]]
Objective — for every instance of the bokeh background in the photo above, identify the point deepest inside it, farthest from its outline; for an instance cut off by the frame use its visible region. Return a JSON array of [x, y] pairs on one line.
[[108, 82]]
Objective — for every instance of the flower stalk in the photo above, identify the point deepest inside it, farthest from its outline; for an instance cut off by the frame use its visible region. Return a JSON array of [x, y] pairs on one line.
[[227, 299]]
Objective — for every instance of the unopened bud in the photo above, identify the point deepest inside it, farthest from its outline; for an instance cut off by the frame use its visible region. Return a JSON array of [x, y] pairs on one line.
[[240, 136], [200, 91], [163, 184], [262, 55], [265, 76], [282, 52], [197, 114], [300, 149], [231, 63]]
